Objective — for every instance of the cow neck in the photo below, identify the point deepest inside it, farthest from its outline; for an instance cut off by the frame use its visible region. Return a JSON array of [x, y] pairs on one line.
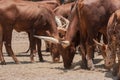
[[72, 29]]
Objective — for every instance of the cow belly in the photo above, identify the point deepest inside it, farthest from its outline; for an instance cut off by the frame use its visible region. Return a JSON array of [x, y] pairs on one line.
[[21, 27]]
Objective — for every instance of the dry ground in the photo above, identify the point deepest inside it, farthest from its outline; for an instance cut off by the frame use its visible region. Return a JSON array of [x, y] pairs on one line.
[[46, 70]]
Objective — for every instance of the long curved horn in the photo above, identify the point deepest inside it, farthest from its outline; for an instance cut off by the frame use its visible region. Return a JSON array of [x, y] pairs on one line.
[[66, 21], [96, 42], [53, 40], [50, 39]]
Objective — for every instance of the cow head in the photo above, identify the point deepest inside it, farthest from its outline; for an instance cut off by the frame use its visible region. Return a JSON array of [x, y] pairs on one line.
[[113, 32], [54, 52], [109, 57]]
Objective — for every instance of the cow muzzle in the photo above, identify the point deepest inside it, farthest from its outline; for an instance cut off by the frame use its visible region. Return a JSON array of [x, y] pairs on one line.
[[53, 40]]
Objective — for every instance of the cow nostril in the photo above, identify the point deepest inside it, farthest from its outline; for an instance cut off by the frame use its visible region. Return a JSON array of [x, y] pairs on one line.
[[109, 62]]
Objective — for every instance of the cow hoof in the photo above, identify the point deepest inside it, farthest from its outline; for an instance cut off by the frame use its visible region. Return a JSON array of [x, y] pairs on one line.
[[91, 65], [118, 77], [41, 60], [114, 73], [92, 68], [17, 62], [32, 61], [47, 50], [84, 66], [3, 63], [115, 70]]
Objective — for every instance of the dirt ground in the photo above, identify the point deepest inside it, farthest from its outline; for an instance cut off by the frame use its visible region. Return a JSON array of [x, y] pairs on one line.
[[47, 70]]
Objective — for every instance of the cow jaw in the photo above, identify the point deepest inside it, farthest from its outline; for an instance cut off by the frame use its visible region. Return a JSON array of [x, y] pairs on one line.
[[50, 39]]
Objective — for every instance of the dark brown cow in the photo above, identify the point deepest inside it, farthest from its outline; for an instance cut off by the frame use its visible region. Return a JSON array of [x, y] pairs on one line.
[[63, 11], [24, 17], [69, 51]]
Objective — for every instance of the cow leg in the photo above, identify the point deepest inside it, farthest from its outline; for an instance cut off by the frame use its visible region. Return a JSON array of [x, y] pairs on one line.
[[34, 44], [89, 56], [7, 39], [93, 50], [1, 44], [84, 61], [32, 40], [7, 50], [39, 50], [1, 55]]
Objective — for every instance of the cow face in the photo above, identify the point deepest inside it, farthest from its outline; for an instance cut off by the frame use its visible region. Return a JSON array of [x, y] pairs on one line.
[[109, 59], [111, 52], [107, 53], [67, 55], [54, 49]]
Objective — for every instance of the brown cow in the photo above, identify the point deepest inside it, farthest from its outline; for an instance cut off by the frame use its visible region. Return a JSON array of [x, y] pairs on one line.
[[69, 52], [62, 12], [91, 22], [24, 17], [113, 49], [65, 9], [50, 5]]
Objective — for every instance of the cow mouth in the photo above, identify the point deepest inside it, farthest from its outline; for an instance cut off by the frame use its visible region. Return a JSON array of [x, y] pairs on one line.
[[56, 60], [53, 40]]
